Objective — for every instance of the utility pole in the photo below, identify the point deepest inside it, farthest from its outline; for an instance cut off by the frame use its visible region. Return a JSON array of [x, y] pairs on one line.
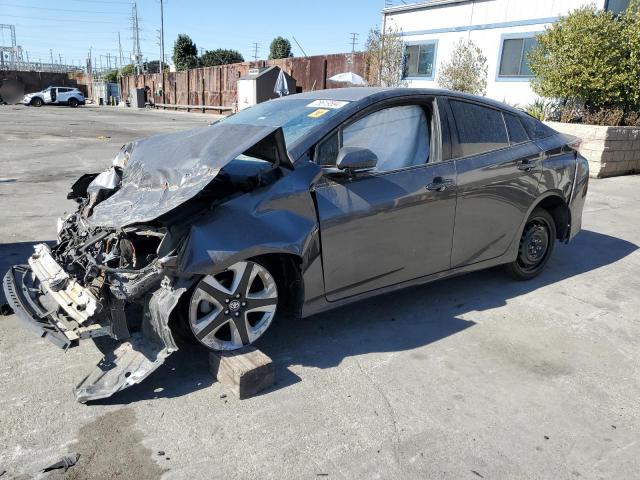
[[120, 49], [162, 39], [256, 47], [51, 54], [383, 34], [354, 41]]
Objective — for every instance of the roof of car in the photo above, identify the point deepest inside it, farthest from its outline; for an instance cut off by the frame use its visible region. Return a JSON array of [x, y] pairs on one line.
[[356, 94]]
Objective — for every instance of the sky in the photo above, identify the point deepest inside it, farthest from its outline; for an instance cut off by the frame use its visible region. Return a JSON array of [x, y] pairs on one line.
[[70, 27]]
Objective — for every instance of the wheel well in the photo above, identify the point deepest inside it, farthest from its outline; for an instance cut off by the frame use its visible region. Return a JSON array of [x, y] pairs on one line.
[[559, 210], [288, 272], [288, 275]]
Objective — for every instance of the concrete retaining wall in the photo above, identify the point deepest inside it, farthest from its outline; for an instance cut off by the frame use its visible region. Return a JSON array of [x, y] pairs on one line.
[[611, 151]]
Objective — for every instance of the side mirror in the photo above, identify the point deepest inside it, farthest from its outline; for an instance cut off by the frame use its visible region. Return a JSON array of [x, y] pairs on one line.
[[353, 159]]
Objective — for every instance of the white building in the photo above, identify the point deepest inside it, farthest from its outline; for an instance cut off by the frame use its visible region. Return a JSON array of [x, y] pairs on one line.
[[504, 29]]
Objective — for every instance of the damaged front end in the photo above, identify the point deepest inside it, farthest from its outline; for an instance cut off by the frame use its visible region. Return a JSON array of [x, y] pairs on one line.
[[114, 269], [101, 282]]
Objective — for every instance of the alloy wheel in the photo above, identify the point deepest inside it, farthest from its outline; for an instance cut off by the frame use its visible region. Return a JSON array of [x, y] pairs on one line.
[[233, 308]]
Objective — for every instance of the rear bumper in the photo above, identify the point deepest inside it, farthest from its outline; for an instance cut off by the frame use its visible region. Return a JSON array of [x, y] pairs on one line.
[[578, 195]]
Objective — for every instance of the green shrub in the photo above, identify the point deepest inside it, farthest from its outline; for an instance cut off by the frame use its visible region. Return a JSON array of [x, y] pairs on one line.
[[591, 57], [541, 109]]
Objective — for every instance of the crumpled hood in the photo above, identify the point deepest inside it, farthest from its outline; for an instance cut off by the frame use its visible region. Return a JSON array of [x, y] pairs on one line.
[[164, 171]]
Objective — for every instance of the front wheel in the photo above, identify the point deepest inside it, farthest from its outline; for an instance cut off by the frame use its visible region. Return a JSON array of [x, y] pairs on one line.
[[536, 246], [233, 308], [73, 102], [36, 102]]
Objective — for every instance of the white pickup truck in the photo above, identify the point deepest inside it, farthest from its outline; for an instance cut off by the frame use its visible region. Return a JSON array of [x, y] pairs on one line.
[[55, 96]]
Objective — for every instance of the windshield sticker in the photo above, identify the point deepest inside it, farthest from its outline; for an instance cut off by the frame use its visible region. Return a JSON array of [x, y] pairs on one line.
[[318, 113], [332, 104]]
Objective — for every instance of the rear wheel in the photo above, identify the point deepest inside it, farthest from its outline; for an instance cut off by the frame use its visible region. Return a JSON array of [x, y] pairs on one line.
[[36, 102], [73, 102], [235, 307], [536, 246]]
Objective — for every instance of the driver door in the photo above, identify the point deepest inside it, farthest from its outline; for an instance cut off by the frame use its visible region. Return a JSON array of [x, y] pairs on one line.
[[49, 95], [394, 223]]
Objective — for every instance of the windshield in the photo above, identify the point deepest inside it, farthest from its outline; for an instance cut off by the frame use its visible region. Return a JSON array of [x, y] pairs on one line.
[[296, 117]]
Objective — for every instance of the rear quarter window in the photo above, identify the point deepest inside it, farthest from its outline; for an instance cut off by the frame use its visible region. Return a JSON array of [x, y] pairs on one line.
[[480, 129], [517, 133], [536, 129]]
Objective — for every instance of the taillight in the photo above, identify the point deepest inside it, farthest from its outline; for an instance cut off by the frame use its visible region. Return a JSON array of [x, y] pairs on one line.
[[575, 143]]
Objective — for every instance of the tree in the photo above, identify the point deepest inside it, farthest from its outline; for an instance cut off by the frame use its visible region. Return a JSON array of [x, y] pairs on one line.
[[128, 70], [589, 56], [185, 53], [466, 70], [280, 48], [111, 77], [385, 57], [154, 66], [220, 56]]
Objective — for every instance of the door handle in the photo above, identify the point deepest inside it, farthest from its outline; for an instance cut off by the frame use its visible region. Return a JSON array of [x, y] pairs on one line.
[[525, 165], [440, 184]]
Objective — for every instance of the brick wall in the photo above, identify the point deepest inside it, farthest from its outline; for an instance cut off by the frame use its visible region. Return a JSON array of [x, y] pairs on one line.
[[611, 151]]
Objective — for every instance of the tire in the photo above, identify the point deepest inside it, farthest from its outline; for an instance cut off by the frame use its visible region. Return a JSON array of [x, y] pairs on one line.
[[233, 308], [36, 102], [73, 102], [536, 246]]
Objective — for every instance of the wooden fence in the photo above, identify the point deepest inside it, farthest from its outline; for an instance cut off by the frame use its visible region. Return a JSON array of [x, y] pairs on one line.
[[217, 86]]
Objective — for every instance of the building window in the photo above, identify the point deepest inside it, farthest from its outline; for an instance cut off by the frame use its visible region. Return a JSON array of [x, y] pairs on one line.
[[513, 62], [419, 60], [617, 6]]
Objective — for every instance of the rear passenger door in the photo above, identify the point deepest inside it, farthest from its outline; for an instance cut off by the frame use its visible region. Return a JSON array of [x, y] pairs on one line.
[[498, 172], [63, 95]]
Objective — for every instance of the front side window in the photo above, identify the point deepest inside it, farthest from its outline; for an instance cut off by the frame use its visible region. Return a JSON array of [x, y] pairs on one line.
[[514, 61], [419, 60], [480, 129], [399, 136]]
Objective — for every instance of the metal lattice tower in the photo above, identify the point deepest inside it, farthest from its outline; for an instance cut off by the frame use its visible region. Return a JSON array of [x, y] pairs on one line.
[[136, 54], [10, 55]]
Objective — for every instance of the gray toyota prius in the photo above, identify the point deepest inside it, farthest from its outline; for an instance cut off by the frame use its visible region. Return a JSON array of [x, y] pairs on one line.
[[298, 205]]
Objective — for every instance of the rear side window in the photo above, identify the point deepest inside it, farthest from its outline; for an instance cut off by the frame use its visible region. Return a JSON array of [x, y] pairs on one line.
[[517, 133], [480, 129], [536, 129]]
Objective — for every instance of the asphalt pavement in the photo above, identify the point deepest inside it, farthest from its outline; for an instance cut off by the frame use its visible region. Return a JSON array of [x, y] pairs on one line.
[[472, 377]]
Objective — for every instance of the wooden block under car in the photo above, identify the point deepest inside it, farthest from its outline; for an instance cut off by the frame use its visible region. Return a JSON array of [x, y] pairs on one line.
[[245, 372]]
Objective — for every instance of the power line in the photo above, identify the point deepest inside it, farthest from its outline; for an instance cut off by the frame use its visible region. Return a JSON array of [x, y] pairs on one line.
[[56, 9], [110, 2], [66, 20], [300, 46]]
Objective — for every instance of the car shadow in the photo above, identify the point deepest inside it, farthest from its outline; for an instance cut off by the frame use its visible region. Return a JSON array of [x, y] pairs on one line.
[[404, 320], [425, 314]]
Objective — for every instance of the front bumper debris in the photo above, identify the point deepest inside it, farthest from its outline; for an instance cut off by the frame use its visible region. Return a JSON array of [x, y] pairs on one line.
[[40, 311], [77, 301], [61, 310]]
